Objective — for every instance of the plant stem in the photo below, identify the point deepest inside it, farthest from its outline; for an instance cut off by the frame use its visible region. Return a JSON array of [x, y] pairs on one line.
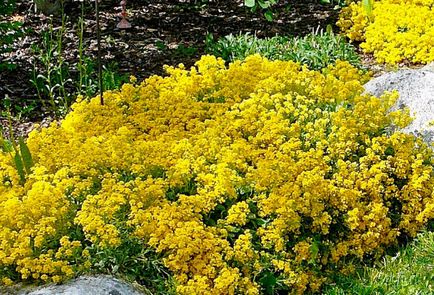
[[62, 81], [11, 131], [98, 36], [80, 50]]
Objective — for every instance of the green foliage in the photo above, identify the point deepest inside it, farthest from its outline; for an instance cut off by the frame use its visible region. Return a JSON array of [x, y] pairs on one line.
[[407, 272], [9, 31], [181, 50], [337, 3], [26, 156], [136, 264], [51, 77], [7, 7], [19, 151], [54, 78], [316, 50], [20, 167], [368, 6], [262, 4], [17, 110], [186, 51], [111, 78]]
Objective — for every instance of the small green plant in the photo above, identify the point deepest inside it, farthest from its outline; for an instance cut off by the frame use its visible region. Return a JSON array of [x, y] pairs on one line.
[[19, 150], [24, 110], [83, 62], [136, 264], [19, 108], [262, 4], [181, 50], [52, 79], [87, 82], [161, 45], [316, 50], [9, 31], [186, 51], [111, 78]]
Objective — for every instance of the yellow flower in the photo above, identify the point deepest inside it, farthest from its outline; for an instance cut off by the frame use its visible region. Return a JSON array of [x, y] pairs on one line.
[[228, 172], [397, 31], [237, 214]]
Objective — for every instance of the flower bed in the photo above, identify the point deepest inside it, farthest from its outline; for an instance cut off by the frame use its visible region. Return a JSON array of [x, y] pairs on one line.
[[396, 31], [259, 177]]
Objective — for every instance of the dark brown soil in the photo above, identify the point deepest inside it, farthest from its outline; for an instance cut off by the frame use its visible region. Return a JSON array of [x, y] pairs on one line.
[[163, 32]]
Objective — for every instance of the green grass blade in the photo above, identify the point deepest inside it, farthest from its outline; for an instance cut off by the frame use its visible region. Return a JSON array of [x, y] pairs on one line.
[[7, 146], [20, 167], [368, 6], [26, 155]]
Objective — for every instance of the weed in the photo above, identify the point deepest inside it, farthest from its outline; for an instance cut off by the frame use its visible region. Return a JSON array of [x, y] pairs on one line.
[[53, 78], [135, 263], [181, 50], [316, 50], [185, 51], [19, 151], [9, 31], [261, 4]]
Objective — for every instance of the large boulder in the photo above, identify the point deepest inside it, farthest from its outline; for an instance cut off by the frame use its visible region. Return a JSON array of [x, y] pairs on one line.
[[85, 285], [416, 92]]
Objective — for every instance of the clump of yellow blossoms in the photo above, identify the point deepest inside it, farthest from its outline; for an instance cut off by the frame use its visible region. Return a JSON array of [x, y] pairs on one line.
[[397, 30], [258, 176]]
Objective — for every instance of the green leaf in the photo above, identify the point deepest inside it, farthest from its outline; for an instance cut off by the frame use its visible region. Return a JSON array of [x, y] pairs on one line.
[[26, 155], [249, 3], [20, 167], [268, 281], [268, 15], [263, 4], [368, 6], [314, 249], [7, 146], [329, 29], [260, 221]]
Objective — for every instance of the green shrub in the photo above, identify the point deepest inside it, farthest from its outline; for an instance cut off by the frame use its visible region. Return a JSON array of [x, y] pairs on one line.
[[316, 50]]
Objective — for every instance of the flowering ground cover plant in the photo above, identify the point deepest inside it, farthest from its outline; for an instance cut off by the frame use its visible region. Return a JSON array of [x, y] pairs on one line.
[[255, 178], [394, 31]]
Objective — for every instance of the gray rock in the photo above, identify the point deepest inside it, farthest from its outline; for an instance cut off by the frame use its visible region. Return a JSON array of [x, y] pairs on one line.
[[416, 92], [429, 67], [85, 285]]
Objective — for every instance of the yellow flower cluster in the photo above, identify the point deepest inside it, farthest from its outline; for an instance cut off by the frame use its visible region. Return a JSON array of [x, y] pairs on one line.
[[239, 176], [397, 30]]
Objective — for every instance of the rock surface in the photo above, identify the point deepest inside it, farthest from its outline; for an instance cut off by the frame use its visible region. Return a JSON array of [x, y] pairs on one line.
[[85, 285], [416, 92], [429, 67]]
